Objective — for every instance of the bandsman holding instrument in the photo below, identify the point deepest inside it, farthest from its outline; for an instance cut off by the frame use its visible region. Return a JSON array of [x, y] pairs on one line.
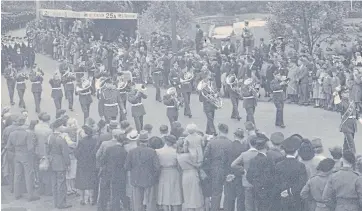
[[157, 79], [124, 83], [233, 86], [211, 101], [250, 96], [10, 76], [277, 85], [171, 102], [110, 101], [138, 110], [36, 79], [186, 89], [21, 77], [68, 79], [83, 89], [57, 93]]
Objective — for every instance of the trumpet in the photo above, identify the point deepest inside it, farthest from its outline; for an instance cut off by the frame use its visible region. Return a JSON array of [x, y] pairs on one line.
[[234, 83], [173, 93], [209, 93], [251, 85]]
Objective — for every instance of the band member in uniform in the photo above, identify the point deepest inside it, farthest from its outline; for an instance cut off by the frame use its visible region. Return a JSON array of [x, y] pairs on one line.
[[83, 89], [124, 83], [250, 95], [57, 93], [277, 85], [10, 76], [111, 102], [210, 101], [234, 93], [18, 60], [349, 114], [157, 79], [186, 89], [20, 86], [138, 111], [36, 79], [170, 100], [68, 79]]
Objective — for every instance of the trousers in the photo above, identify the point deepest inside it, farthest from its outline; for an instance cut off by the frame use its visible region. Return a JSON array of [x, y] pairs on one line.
[[69, 94], [58, 103], [59, 189], [11, 89], [210, 127], [235, 103], [113, 191], [23, 169], [349, 142], [138, 121], [187, 98], [21, 93], [138, 197], [37, 99], [250, 114], [279, 118], [234, 192]]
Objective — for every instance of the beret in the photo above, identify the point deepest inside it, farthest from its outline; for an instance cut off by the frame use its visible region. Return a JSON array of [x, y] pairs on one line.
[[326, 165]]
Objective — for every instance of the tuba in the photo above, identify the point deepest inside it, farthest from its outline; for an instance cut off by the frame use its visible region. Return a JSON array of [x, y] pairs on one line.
[[209, 93], [122, 83]]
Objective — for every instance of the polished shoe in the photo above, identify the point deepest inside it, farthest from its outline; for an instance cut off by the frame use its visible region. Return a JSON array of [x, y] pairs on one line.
[[18, 197], [190, 116], [65, 207], [12, 103], [34, 198], [281, 126], [239, 118]]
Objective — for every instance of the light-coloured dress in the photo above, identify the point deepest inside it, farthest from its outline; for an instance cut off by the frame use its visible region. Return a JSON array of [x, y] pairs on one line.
[[169, 187], [192, 191]]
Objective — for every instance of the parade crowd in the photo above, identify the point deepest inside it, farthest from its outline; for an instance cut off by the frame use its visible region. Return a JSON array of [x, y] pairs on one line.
[[116, 166]]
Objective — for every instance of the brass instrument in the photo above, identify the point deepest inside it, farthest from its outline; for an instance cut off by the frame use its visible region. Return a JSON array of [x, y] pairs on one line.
[[140, 87], [349, 112], [122, 83], [188, 76], [69, 73], [173, 93], [85, 84], [251, 85], [209, 93], [234, 84]]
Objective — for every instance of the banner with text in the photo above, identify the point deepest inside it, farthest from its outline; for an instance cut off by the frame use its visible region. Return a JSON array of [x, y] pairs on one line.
[[88, 15]]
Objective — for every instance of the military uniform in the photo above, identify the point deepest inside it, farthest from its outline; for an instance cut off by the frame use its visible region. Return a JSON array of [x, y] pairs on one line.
[[157, 81], [344, 188], [209, 110], [249, 103], [234, 97], [111, 102], [172, 108], [36, 80], [10, 76], [278, 98], [68, 82], [57, 93], [186, 89], [138, 110], [21, 86], [85, 99], [348, 123]]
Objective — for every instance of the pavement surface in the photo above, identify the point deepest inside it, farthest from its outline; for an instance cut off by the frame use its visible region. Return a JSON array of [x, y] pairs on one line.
[[307, 121]]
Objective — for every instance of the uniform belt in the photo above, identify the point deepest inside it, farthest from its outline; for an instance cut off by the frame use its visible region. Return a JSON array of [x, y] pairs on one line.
[[250, 97], [136, 104], [71, 82], [20, 82], [170, 106], [36, 82], [319, 204], [57, 88], [352, 117], [123, 92], [85, 93], [278, 91], [111, 104], [157, 72]]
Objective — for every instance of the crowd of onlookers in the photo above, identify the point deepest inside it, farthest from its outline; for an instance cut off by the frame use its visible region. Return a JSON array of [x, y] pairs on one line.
[[14, 21]]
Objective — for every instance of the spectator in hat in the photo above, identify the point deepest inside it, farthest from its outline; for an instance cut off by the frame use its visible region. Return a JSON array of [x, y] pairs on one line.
[[169, 187], [261, 174], [336, 153], [144, 166], [164, 131], [318, 149], [126, 126], [233, 187], [86, 171], [155, 142], [316, 184], [113, 176], [58, 150], [275, 152], [344, 188], [291, 176], [42, 131], [148, 128], [216, 158], [307, 157]]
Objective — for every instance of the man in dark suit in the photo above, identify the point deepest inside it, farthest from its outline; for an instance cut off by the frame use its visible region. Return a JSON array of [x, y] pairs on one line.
[[277, 86], [144, 166], [291, 176], [216, 158], [112, 173]]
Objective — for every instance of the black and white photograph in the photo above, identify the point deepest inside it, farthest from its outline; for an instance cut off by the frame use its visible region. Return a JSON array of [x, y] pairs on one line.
[[181, 105]]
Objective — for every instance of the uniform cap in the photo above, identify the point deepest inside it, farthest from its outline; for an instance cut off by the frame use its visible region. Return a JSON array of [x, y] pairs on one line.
[[223, 128], [292, 143], [277, 138], [326, 165], [239, 133], [143, 137]]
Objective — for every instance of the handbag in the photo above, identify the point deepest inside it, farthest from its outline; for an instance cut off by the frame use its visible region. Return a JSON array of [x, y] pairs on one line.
[[44, 162]]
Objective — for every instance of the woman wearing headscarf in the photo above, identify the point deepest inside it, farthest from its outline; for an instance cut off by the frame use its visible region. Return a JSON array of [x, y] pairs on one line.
[[169, 187], [192, 190], [86, 174]]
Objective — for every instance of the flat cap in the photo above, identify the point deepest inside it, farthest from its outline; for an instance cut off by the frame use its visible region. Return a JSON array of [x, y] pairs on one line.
[[143, 137], [239, 133], [43, 116], [326, 165], [223, 128], [292, 143], [277, 138], [163, 128], [58, 123]]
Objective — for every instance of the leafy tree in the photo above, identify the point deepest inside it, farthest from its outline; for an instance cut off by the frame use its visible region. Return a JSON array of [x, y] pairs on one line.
[[157, 18], [307, 22]]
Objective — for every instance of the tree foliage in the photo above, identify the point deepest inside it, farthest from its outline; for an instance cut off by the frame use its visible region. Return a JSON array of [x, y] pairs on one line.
[[308, 22], [157, 18]]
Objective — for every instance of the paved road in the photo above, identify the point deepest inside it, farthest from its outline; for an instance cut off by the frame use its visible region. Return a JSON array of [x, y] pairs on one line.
[[307, 121]]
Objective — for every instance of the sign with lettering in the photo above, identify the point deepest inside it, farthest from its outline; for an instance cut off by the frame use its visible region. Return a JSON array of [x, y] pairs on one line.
[[88, 15]]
